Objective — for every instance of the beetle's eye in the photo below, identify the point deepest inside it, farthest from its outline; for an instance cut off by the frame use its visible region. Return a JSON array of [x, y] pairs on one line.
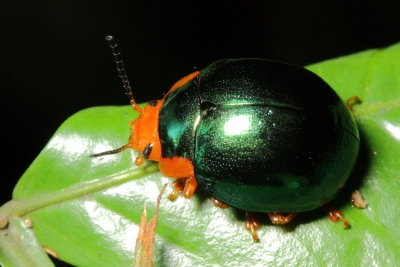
[[147, 150], [153, 103]]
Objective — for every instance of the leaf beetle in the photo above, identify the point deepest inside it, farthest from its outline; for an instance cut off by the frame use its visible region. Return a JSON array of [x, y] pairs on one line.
[[257, 135]]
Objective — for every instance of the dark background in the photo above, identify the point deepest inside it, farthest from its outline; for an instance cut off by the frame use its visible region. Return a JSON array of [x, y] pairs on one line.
[[54, 60]]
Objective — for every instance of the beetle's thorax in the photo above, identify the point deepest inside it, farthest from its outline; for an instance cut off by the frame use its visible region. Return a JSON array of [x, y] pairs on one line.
[[144, 131]]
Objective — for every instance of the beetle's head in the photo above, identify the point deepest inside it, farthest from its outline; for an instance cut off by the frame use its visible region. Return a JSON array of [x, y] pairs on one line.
[[144, 131]]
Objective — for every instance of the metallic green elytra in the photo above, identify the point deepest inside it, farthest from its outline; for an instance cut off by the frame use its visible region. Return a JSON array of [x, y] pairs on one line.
[[262, 135]]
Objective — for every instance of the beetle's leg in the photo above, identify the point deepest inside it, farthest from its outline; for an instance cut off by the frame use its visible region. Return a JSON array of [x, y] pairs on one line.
[[252, 224], [219, 204], [335, 215], [186, 186], [178, 185], [190, 187], [351, 101], [278, 218]]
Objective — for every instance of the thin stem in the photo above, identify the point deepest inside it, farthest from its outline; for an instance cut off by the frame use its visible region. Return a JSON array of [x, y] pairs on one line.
[[20, 247], [20, 207]]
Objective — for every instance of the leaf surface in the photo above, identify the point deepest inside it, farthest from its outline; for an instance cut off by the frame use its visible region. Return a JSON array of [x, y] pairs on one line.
[[100, 228]]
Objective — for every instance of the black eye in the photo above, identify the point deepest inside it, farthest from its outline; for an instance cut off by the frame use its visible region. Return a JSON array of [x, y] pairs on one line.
[[147, 150], [153, 103]]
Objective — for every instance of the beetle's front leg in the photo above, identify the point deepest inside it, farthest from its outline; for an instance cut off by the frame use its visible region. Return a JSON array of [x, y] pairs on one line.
[[186, 186], [190, 187], [181, 168], [178, 185]]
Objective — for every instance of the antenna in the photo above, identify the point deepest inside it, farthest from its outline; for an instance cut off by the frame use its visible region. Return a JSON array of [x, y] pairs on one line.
[[121, 71]]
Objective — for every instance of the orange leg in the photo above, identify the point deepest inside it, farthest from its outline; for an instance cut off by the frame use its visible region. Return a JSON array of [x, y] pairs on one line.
[[178, 185], [186, 186], [181, 168], [252, 224], [335, 215], [278, 218], [351, 101], [219, 204], [190, 187]]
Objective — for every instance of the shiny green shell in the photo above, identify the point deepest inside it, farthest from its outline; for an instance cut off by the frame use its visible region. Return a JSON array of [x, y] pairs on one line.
[[262, 135]]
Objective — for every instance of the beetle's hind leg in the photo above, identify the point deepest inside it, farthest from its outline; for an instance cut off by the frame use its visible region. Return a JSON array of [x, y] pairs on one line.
[[279, 218], [335, 215], [252, 224], [351, 101], [186, 186]]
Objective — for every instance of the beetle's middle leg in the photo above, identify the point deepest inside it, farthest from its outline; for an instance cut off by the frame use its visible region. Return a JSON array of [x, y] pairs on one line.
[[219, 204], [252, 224], [279, 218]]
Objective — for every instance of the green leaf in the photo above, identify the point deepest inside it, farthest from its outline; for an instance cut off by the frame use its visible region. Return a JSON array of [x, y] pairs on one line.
[[89, 221]]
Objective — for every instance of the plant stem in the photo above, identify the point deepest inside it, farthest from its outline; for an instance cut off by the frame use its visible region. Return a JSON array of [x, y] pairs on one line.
[[20, 247], [20, 207]]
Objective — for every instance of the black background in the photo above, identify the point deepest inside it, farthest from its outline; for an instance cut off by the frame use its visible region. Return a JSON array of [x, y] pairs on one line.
[[54, 60]]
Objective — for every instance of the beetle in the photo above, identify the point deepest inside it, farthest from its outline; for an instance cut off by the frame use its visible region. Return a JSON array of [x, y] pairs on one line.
[[256, 134]]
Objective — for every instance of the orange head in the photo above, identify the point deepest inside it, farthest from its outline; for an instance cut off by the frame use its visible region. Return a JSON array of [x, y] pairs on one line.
[[144, 131]]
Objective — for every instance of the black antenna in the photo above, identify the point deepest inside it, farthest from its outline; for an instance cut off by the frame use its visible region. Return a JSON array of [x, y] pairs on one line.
[[121, 70]]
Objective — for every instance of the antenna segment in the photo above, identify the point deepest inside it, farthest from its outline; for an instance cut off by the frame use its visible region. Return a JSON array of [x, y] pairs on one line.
[[121, 71]]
